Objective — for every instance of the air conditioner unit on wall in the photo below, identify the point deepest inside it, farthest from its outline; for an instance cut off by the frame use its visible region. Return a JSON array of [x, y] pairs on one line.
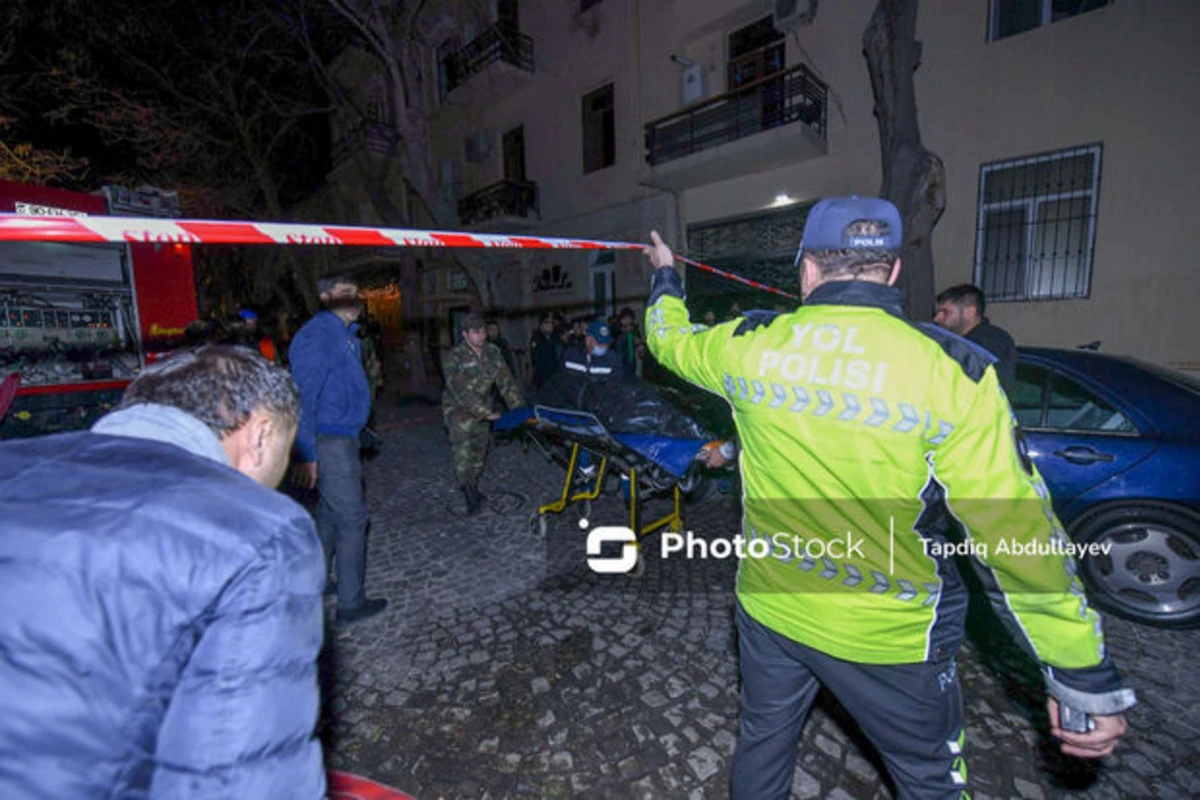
[[693, 84], [791, 14]]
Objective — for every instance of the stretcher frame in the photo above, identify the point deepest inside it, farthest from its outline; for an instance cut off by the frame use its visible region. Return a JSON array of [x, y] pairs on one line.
[[609, 450]]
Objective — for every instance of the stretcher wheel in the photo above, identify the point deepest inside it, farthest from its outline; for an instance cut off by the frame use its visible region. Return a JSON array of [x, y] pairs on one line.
[[538, 525], [639, 569], [584, 509]]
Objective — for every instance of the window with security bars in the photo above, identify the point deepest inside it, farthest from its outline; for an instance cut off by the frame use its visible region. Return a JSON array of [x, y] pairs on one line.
[[1037, 225], [761, 247]]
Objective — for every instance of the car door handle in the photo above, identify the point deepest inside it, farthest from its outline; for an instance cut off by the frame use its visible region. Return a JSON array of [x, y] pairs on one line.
[[1083, 455]]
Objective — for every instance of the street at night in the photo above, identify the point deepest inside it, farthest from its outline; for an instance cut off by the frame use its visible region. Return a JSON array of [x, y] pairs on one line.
[[509, 670], [614, 399]]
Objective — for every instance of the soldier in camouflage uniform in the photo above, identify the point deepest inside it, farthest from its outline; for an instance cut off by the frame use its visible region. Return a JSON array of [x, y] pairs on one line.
[[471, 369]]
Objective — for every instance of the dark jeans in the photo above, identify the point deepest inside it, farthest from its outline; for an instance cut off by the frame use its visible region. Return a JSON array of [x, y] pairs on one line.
[[912, 713], [341, 515]]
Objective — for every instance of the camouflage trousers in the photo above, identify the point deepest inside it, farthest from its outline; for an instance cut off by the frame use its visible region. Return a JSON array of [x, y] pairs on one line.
[[468, 445]]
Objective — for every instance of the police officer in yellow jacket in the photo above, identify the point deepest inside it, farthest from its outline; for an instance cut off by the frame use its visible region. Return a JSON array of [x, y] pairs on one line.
[[875, 450]]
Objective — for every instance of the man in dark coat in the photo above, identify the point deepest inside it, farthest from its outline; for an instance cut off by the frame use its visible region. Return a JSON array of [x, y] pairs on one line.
[[160, 604], [960, 310], [544, 351], [335, 404]]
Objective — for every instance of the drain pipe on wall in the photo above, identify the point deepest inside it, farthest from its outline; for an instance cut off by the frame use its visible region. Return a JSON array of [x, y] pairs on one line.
[[680, 245]]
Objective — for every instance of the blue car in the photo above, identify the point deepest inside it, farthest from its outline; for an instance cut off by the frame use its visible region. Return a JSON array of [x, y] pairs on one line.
[[1118, 442]]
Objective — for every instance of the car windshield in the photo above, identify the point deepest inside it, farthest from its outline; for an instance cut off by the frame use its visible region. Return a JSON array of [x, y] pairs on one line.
[[1183, 380]]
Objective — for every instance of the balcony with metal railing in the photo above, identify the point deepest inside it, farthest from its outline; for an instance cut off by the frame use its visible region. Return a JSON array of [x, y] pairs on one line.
[[775, 120], [501, 50], [369, 136], [508, 204]]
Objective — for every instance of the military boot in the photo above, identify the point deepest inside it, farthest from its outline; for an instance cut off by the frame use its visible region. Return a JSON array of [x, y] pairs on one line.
[[471, 494]]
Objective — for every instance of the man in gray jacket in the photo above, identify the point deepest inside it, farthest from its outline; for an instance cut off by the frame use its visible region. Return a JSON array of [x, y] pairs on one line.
[[160, 604]]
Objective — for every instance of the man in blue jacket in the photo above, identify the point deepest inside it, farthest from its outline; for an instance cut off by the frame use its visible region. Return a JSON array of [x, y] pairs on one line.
[[335, 403], [160, 605]]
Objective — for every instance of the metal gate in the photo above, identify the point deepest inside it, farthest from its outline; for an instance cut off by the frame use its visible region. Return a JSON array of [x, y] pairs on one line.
[[761, 247]]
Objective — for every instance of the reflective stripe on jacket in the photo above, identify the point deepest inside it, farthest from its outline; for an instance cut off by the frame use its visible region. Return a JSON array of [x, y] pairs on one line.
[[869, 444]]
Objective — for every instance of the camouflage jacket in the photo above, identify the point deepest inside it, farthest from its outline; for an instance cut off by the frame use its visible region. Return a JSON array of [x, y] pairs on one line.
[[469, 380]]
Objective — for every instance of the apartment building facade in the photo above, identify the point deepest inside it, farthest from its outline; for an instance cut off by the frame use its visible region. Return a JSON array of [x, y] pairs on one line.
[[1065, 129]]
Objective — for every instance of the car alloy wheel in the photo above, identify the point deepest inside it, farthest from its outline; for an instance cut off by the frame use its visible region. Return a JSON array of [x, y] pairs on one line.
[[1151, 572]]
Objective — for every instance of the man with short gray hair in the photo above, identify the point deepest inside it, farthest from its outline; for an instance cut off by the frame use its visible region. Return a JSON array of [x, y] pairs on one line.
[[160, 603]]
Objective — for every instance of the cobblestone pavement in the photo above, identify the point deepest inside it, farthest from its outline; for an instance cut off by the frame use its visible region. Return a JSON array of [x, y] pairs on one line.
[[504, 668]]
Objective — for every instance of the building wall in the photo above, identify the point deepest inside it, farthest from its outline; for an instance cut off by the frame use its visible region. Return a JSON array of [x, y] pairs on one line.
[[574, 55], [1124, 76], [831, 47]]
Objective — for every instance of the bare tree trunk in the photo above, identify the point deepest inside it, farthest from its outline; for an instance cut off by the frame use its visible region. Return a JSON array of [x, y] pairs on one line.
[[913, 178], [392, 35]]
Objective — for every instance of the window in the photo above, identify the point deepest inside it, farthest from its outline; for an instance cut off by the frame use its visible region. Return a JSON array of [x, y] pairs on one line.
[[1037, 225], [508, 14], [1050, 400], [755, 52], [1028, 395], [1009, 17], [448, 66], [514, 154], [599, 130], [1074, 408]]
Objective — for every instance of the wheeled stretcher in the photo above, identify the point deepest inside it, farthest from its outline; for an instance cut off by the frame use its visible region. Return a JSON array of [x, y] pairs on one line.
[[651, 464]]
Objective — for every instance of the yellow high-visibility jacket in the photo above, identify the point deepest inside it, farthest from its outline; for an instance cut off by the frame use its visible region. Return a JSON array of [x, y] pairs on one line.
[[873, 450]]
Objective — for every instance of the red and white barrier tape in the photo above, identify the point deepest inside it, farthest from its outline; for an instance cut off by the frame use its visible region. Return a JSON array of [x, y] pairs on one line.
[[736, 278], [154, 230]]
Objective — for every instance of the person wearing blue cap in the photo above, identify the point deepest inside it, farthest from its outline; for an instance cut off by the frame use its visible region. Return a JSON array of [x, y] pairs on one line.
[[873, 448], [584, 367]]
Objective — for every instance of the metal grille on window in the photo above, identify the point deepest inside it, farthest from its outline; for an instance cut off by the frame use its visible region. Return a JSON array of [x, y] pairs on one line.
[[761, 247], [1037, 225]]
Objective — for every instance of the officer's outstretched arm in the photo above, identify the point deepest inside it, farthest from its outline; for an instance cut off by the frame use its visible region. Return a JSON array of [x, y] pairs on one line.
[[1022, 553], [693, 352]]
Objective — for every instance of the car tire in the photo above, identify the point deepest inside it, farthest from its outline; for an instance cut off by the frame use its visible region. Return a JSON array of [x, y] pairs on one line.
[[1152, 573]]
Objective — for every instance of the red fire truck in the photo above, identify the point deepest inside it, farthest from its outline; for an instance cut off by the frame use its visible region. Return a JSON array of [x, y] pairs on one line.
[[78, 321]]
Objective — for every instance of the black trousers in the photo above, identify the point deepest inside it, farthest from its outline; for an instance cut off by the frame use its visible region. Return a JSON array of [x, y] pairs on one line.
[[912, 713]]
